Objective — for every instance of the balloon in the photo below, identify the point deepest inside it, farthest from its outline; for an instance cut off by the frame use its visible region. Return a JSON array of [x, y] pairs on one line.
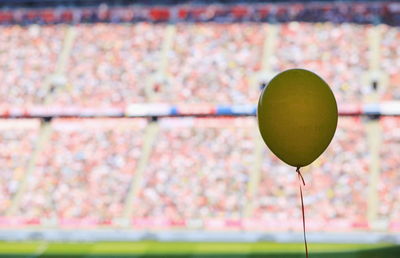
[[297, 116]]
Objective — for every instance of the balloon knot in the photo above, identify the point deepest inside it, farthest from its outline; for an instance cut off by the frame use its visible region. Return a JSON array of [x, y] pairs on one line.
[[300, 175]]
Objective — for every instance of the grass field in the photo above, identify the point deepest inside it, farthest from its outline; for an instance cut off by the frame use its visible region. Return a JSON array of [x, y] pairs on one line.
[[184, 249]]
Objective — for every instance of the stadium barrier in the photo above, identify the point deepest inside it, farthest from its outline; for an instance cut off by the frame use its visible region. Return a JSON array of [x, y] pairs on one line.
[[103, 235], [210, 225], [165, 110]]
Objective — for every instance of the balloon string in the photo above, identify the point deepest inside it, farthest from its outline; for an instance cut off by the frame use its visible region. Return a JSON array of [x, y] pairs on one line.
[[302, 208]]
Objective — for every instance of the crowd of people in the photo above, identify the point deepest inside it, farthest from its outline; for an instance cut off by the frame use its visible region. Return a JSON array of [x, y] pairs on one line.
[[338, 52], [112, 64], [117, 64], [229, 73], [217, 60], [198, 170], [84, 171], [17, 141], [389, 183], [390, 52], [28, 56], [336, 184]]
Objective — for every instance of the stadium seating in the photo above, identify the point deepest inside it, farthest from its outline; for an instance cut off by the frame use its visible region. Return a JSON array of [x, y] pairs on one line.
[[84, 172], [198, 169], [389, 191], [17, 141], [214, 63], [117, 64], [112, 64], [28, 56], [390, 52], [338, 52], [335, 185], [121, 61]]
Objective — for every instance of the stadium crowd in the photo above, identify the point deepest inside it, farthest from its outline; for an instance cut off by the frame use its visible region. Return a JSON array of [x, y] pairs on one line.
[[234, 54], [85, 170], [17, 141], [28, 56], [336, 183], [198, 170], [389, 184], [112, 64], [338, 52], [117, 64], [390, 51]]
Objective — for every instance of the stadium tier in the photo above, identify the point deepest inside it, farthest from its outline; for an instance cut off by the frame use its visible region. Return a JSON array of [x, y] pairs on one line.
[[130, 167], [186, 173], [28, 56], [178, 184], [17, 140], [336, 185], [390, 162], [60, 69], [338, 52], [84, 171], [390, 61]]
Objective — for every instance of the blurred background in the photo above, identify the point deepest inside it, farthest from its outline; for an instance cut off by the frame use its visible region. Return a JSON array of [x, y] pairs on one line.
[[128, 128]]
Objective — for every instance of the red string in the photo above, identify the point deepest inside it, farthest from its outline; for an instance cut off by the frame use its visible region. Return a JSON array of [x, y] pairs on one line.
[[302, 208]]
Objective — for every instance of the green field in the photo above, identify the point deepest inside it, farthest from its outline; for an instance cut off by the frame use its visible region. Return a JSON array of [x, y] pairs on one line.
[[184, 249]]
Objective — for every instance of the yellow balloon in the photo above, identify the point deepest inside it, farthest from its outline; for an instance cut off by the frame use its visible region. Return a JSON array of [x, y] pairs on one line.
[[297, 116]]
